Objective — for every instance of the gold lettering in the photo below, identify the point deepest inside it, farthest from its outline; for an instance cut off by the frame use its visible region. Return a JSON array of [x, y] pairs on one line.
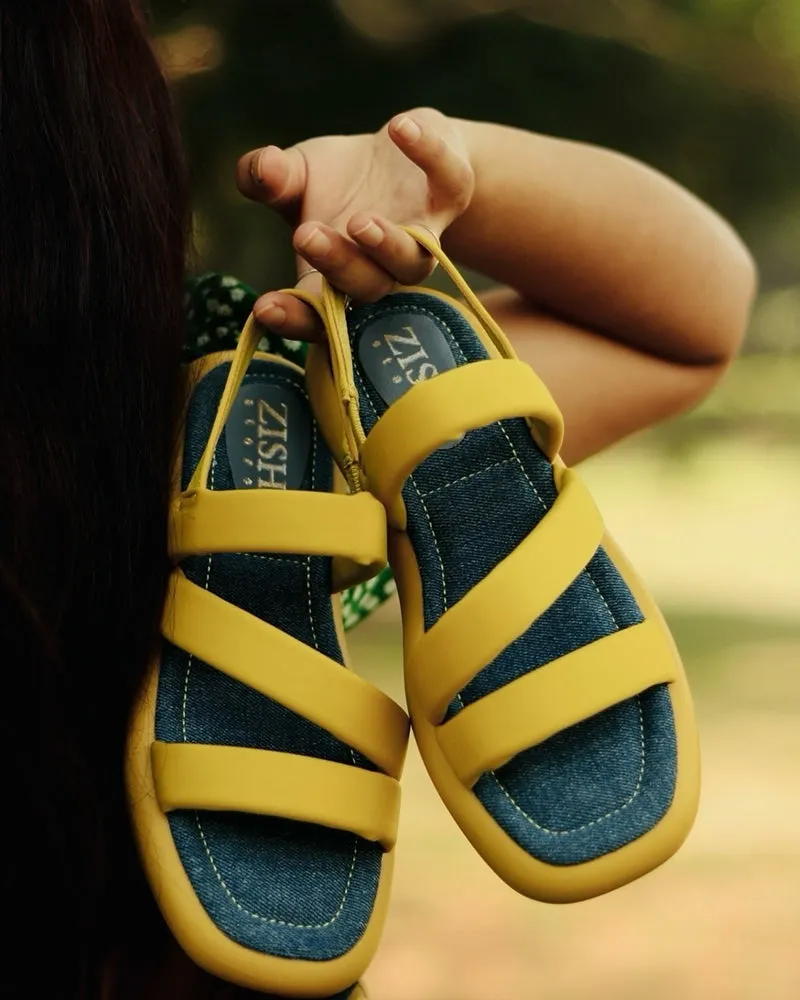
[[265, 412], [272, 471], [405, 362], [393, 339], [425, 372], [272, 456], [426, 369], [267, 451]]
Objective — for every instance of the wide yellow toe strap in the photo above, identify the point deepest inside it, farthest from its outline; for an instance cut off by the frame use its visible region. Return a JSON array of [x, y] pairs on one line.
[[499, 609], [267, 783], [434, 412], [351, 529], [489, 732]]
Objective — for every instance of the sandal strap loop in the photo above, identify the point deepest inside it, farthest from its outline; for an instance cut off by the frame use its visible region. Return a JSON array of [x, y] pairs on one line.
[[494, 332], [249, 340], [332, 309]]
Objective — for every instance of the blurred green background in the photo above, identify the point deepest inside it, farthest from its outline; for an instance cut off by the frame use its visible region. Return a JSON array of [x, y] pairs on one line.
[[706, 505]]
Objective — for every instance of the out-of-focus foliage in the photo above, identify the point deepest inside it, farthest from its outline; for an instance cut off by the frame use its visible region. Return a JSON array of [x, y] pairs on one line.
[[753, 42], [706, 90]]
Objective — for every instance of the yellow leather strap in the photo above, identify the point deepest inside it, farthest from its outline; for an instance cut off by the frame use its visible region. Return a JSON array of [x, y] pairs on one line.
[[249, 340], [299, 522], [335, 319], [529, 710], [333, 311], [499, 608], [496, 335], [437, 411], [267, 783], [246, 348], [286, 670]]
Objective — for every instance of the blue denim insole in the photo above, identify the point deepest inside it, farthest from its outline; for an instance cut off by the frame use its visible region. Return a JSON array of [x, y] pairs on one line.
[[276, 886], [598, 785]]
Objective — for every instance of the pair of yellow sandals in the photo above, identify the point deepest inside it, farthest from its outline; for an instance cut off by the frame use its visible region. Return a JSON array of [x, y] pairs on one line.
[[545, 692]]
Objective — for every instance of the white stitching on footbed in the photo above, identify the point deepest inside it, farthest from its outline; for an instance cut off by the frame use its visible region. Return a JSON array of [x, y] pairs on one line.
[[600, 819], [464, 479], [258, 916], [316, 646], [493, 774], [640, 777]]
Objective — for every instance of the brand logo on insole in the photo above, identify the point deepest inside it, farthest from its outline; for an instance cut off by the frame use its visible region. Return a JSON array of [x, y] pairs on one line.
[[401, 349], [269, 435], [398, 351], [413, 359], [268, 442]]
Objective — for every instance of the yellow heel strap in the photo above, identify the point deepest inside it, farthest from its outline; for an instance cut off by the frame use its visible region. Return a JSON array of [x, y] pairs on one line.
[[332, 311], [332, 308], [482, 314], [249, 340]]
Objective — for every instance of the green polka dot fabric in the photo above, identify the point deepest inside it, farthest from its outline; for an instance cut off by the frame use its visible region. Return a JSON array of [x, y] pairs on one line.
[[217, 307]]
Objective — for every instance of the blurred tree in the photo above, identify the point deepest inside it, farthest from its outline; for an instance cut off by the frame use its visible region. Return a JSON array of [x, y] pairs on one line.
[[706, 90]]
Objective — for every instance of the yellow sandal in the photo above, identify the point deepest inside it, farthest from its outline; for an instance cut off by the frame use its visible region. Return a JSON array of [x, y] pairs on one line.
[[262, 774], [546, 694]]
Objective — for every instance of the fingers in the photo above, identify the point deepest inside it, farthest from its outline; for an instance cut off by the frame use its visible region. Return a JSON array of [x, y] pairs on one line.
[[378, 256], [342, 262], [288, 317], [449, 173], [273, 176], [392, 249]]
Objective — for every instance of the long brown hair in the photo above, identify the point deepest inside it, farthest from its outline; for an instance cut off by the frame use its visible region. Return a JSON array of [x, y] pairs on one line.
[[93, 228]]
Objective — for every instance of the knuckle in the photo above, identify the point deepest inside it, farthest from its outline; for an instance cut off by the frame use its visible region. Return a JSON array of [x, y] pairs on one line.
[[429, 268], [426, 113], [461, 184], [375, 292], [435, 146]]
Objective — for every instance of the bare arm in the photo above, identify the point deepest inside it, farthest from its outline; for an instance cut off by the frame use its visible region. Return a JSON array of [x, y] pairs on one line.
[[630, 296]]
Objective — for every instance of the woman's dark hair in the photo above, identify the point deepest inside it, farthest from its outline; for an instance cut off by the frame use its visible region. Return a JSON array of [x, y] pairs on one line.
[[93, 230]]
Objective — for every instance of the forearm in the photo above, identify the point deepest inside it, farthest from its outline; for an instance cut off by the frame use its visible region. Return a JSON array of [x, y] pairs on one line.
[[605, 243]]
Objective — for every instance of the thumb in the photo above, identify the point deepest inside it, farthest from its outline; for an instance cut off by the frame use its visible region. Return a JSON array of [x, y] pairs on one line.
[[276, 177]]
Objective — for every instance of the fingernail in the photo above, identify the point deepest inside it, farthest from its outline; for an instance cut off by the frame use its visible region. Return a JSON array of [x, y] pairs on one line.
[[316, 244], [408, 129], [255, 166], [270, 314], [372, 235]]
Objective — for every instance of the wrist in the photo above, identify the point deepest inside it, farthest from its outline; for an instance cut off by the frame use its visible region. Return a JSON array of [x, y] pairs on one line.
[[463, 238], [477, 142]]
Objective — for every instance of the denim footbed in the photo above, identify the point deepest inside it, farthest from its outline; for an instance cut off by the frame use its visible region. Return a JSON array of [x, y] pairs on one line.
[[601, 784], [279, 887]]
